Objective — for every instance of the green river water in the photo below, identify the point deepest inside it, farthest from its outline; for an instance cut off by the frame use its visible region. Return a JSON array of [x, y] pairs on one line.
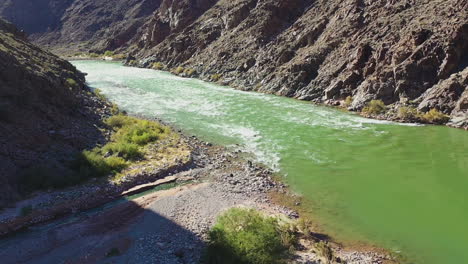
[[403, 187]]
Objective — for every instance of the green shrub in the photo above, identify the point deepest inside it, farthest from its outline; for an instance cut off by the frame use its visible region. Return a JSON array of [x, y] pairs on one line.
[[118, 121], [245, 236], [178, 70], [99, 94], [94, 55], [157, 66], [109, 53], [92, 163], [119, 56], [141, 133], [189, 72], [215, 77], [435, 117], [348, 101], [323, 249], [407, 112], [26, 210], [71, 83], [305, 227], [128, 151], [116, 164], [114, 109], [375, 107]]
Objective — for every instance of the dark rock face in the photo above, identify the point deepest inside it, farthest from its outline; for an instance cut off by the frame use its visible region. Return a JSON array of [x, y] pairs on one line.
[[318, 50], [46, 115], [79, 25], [324, 51], [36, 16]]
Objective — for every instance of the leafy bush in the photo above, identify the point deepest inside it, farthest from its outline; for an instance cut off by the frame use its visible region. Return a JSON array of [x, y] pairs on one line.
[[119, 121], [71, 83], [348, 101], [99, 94], [109, 53], [189, 72], [157, 66], [324, 250], [128, 151], [116, 164], [407, 112], [304, 226], [94, 55], [92, 163], [141, 133], [131, 134], [178, 70], [245, 236], [375, 107], [115, 109], [435, 117], [119, 56], [215, 77]]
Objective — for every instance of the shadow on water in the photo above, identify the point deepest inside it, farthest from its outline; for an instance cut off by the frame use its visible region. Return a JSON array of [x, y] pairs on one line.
[[124, 233]]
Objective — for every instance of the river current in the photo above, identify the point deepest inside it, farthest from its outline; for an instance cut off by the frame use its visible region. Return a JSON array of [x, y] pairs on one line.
[[403, 187]]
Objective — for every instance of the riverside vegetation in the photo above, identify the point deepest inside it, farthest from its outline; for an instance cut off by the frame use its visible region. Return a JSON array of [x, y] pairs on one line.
[[128, 145]]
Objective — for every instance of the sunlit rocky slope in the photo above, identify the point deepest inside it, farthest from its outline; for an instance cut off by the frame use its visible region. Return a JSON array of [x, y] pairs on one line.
[[411, 53]]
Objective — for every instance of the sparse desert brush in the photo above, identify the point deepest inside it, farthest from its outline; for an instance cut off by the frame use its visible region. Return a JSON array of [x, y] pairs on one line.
[[189, 72], [348, 101], [324, 250], [178, 70], [118, 121], [128, 151], [109, 53], [94, 55], [119, 56], [435, 117], [157, 66], [247, 236], [71, 83], [140, 133], [374, 107], [215, 77], [408, 113], [99, 94]]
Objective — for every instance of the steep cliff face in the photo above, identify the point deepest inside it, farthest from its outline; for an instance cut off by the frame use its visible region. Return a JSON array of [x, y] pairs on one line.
[[79, 25], [46, 113], [401, 51]]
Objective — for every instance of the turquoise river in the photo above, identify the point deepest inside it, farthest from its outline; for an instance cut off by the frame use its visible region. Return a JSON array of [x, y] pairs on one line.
[[402, 187]]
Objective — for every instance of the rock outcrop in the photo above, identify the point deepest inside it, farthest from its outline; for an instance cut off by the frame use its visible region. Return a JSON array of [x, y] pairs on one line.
[[396, 51], [46, 112], [324, 51], [79, 25]]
